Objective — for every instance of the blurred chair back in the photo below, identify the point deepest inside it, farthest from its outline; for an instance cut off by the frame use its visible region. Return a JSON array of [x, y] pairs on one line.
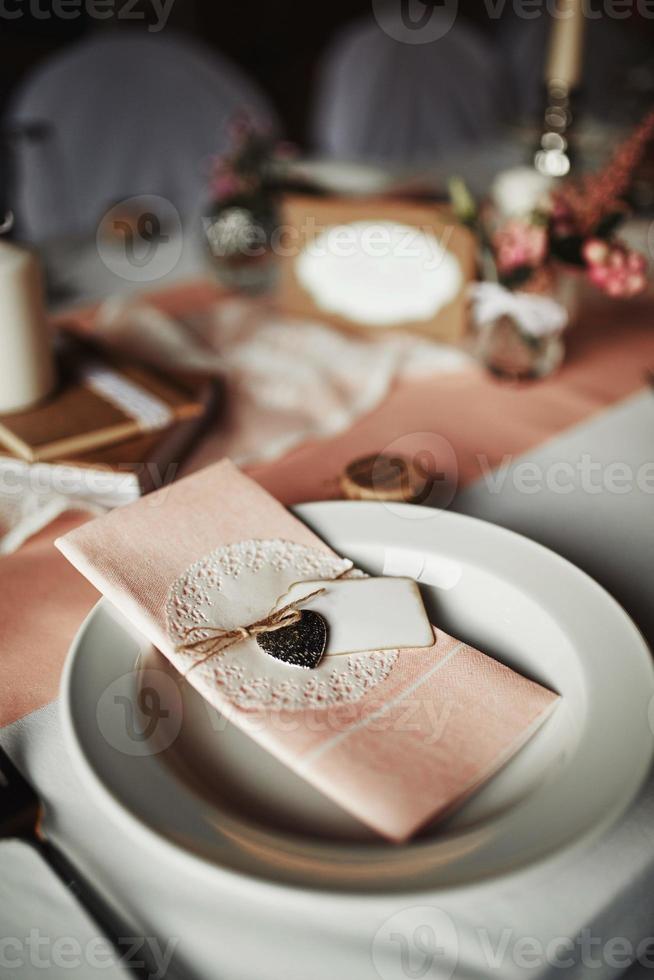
[[384, 99], [125, 115]]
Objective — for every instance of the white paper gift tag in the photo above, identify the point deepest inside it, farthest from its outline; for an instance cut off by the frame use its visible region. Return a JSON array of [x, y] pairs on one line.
[[241, 583], [367, 613]]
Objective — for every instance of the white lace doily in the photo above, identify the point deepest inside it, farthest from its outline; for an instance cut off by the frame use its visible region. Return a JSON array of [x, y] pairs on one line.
[[379, 273], [235, 586]]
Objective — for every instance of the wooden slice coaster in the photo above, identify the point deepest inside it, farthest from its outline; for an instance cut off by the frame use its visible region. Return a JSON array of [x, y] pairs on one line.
[[381, 477]]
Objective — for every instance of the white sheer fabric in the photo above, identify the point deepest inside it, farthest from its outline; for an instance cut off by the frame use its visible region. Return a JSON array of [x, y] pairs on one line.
[[127, 114], [381, 99], [289, 381]]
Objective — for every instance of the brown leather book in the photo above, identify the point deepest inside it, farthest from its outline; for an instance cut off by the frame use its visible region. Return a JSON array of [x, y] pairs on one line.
[[99, 401], [116, 474]]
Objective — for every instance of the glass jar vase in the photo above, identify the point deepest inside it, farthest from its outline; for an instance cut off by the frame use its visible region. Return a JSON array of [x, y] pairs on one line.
[[520, 336], [508, 351], [239, 237]]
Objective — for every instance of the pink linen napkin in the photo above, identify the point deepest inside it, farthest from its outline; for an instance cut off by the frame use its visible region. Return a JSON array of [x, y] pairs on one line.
[[394, 737]]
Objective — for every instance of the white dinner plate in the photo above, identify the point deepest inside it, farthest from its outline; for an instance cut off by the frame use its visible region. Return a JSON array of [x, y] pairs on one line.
[[167, 764], [341, 176]]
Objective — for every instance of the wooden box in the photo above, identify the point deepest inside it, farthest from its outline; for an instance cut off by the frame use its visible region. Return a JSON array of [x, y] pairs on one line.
[[374, 264]]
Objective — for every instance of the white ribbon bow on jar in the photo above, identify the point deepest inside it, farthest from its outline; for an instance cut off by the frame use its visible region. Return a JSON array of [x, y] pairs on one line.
[[539, 316]]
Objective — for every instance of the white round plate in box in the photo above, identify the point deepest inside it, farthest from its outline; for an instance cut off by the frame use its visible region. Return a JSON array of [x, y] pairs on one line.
[[213, 797], [340, 176]]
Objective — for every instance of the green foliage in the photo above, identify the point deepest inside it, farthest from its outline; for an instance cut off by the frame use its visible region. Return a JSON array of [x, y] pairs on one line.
[[463, 203]]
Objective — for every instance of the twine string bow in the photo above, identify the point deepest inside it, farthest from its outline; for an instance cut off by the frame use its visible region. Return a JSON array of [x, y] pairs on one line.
[[209, 641]]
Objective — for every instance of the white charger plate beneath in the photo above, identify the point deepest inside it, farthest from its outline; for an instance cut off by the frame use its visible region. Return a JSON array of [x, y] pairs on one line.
[[168, 765]]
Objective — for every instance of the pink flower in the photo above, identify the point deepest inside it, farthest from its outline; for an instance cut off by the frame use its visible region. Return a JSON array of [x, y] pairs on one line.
[[599, 275], [518, 244], [636, 262], [594, 251], [615, 269], [225, 185]]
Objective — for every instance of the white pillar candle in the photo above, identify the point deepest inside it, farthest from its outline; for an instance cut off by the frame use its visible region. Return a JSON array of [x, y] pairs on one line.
[[26, 362], [566, 44]]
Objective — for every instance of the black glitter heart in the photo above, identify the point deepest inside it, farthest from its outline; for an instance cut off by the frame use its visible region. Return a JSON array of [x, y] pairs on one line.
[[302, 644]]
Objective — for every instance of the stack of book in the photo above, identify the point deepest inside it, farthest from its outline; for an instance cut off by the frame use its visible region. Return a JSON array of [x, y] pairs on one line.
[[112, 431]]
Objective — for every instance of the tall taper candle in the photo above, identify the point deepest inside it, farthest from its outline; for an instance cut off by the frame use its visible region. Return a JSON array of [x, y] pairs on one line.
[[565, 57], [27, 371]]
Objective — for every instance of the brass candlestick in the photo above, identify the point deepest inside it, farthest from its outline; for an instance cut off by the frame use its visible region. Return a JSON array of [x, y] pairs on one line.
[[562, 75]]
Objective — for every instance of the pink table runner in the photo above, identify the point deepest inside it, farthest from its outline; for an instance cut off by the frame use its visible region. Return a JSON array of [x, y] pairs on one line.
[[42, 600]]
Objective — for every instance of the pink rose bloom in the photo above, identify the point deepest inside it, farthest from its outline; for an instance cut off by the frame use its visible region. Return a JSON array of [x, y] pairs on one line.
[[519, 243], [225, 185], [595, 251], [615, 269]]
